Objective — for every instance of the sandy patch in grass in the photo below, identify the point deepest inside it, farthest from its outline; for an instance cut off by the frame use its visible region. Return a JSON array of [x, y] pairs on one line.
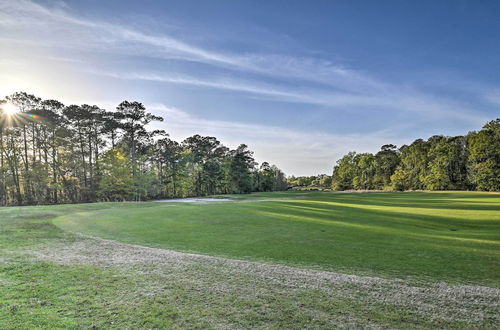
[[467, 303]]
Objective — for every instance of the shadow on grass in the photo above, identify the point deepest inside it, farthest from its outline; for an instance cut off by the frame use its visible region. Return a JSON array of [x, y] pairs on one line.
[[426, 200], [399, 223]]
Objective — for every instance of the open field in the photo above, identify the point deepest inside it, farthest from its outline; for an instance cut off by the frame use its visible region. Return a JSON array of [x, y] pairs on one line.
[[446, 236], [289, 260]]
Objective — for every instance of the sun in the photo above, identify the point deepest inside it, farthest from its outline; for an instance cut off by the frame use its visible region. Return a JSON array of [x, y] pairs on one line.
[[10, 109]]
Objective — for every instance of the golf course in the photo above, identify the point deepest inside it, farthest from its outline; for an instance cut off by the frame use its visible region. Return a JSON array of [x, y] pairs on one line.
[[293, 259], [249, 164]]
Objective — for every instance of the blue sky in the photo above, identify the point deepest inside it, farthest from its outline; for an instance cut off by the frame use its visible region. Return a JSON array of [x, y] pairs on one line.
[[300, 82]]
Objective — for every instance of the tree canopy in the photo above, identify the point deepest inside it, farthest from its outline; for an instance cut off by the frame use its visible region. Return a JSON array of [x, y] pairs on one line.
[[52, 153], [470, 162]]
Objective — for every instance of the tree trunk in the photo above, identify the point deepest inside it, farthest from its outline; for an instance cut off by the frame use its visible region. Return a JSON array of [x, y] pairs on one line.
[[26, 167]]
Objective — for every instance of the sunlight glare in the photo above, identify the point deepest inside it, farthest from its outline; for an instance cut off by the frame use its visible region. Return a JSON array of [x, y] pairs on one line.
[[10, 109]]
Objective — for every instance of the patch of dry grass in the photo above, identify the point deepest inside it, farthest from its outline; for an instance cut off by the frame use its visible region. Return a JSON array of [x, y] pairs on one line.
[[164, 271]]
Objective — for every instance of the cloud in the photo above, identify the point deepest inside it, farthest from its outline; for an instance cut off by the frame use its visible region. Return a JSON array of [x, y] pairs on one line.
[[338, 87], [61, 29], [397, 100], [91, 33], [74, 40], [493, 96]]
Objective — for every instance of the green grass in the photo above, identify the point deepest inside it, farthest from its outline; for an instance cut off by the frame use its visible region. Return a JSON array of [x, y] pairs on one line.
[[451, 236]]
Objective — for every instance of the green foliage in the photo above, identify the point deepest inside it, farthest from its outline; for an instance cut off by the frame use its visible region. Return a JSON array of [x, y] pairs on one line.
[[117, 181], [484, 157], [446, 165], [266, 177], [321, 181], [269, 178], [344, 172], [366, 168], [51, 153], [242, 164], [399, 180], [387, 159], [440, 163]]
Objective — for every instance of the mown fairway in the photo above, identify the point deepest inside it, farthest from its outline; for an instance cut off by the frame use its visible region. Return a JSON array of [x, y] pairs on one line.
[[451, 236], [418, 248]]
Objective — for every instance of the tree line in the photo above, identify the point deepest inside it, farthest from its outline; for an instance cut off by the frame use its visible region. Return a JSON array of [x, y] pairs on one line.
[[52, 153], [470, 162], [321, 181]]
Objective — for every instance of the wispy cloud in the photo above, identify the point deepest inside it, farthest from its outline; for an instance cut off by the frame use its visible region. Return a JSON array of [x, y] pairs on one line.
[[339, 86], [100, 35], [493, 96], [92, 33], [74, 41], [398, 100]]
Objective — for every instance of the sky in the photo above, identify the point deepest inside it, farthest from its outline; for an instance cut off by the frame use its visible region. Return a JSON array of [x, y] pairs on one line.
[[300, 82]]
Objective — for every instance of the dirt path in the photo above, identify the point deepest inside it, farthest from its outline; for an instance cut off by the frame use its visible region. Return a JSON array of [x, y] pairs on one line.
[[235, 279]]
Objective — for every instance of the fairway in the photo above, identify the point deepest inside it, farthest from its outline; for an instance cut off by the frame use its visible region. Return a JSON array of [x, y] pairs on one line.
[[289, 260], [438, 236], [249, 165]]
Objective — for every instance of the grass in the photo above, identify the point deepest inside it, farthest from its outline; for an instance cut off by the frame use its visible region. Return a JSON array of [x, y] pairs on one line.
[[452, 236], [449, 236]]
